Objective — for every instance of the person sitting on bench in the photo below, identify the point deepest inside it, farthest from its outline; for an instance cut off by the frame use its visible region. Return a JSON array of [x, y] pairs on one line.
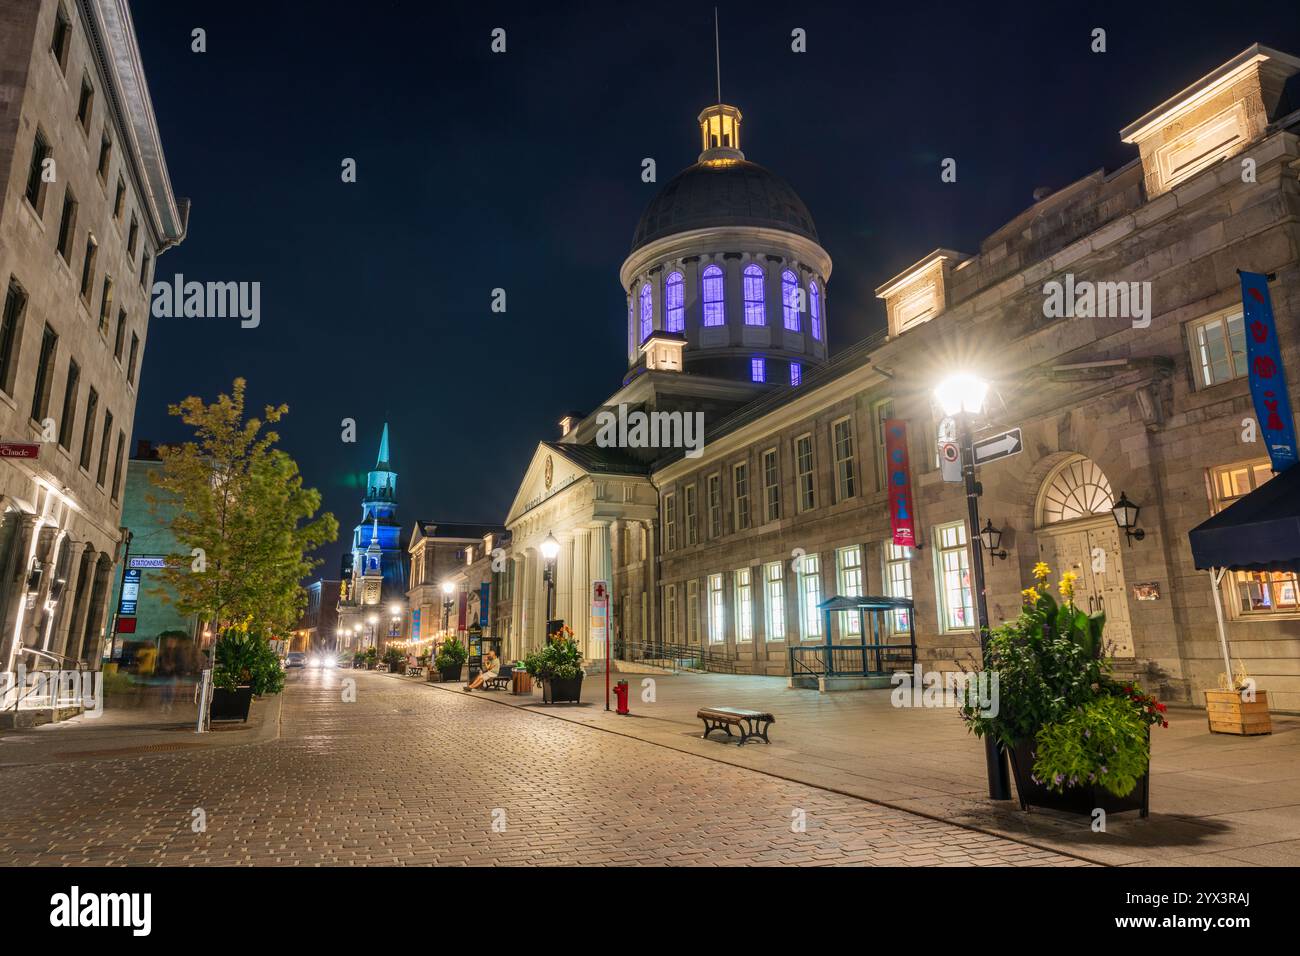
[[491, 667]]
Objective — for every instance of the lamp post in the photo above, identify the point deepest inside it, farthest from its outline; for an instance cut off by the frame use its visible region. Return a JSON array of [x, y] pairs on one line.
[[550, 550], [962, 396], [395, 612], [372, 620], [447, 589]]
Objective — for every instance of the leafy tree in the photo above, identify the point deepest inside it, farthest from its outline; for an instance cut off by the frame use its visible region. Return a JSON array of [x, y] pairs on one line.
[[246, 523]]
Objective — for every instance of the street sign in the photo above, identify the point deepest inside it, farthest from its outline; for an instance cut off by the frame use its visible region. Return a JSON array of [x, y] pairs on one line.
[[950, 460], [19, 449], [998, 446], [130, 593]]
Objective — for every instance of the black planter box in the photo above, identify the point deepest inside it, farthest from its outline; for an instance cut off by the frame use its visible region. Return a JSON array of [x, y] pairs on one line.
[[231, 704], [1082, 799], [570, 689], [450, 673]]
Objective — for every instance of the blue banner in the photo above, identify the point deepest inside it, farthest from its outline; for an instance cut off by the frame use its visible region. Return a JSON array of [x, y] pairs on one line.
[[483, 591], [1267, 377]]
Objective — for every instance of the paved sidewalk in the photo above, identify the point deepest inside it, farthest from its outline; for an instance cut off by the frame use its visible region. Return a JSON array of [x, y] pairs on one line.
[[1216, 800], [136, 723]]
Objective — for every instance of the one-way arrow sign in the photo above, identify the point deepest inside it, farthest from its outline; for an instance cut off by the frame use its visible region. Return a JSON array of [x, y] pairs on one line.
[[998, 446]]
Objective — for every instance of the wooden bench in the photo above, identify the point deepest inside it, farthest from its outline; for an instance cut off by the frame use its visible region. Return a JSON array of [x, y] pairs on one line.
[[502, 680], [415, 670], [750, 723]]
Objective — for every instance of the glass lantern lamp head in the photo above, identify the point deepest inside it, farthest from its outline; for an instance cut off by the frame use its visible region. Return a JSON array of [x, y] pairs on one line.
[[447, 588], [960, 393], [550, 548], [991, 538], [1126, 517]]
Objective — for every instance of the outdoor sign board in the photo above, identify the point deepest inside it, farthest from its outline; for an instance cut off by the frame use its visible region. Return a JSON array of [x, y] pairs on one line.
[[1267, 377], [10, 448], [599, 611], [415, 623], [899, 475], [998, 446], [130, 592], [484, 594], [149, 562]]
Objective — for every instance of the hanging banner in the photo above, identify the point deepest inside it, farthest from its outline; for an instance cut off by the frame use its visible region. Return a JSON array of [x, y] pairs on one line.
[[460, 611], [415, 623], [484, 593], [1267, 377], [900, 483]]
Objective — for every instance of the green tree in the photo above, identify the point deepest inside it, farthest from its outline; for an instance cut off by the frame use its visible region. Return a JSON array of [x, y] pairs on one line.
[[245, 520]]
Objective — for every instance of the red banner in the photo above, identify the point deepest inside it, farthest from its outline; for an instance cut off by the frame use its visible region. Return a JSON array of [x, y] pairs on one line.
[[899, 474], [460, 614]]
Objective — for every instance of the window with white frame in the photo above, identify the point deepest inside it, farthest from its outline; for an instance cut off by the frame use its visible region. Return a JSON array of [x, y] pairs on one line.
[[712, 294], [771, 485], [744, 605], [881, 412], [693, 612], [952, 559], [842, 445], [670, 613], [717, 610], [714, 504], [774, 599], [740, 498], [688, 504], [1252, 594], [1218, 345], [849, 562], [806, 481], [809, 576], [755, 312], [898, 582], [670, 520]]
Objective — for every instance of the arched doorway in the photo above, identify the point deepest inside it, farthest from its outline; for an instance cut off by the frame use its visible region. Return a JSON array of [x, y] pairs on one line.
[[1077, 532]]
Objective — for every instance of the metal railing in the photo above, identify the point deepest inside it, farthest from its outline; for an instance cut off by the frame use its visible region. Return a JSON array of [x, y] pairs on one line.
[[849, 659], [42, 687], [678, 658]]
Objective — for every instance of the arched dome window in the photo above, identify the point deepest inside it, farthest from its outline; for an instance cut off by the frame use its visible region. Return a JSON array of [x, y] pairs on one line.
[[647, 312], [1076, 489], [674, 303], [712, 294], [754, 311], [789, 299], [815, 309]]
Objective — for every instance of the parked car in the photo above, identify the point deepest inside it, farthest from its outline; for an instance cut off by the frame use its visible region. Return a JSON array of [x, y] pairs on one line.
[[295, 659]]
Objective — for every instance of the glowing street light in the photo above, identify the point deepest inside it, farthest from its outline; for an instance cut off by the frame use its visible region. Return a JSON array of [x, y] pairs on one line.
[[963, 392]]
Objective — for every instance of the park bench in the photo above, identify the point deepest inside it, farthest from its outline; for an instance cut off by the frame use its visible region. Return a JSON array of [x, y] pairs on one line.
[[750, 723], [502, 680], [415, 670]]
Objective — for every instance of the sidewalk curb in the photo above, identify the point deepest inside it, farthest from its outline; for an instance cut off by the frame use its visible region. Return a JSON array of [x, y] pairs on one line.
[[1024, 841]]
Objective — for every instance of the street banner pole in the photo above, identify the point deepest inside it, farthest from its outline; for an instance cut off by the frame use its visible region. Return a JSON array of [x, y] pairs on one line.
[[600, 623]]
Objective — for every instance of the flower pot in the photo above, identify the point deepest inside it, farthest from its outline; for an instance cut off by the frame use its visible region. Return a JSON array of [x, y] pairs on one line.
[[1229, 714], [568, 689], [450, 673], [231, 704], [1081, 798]]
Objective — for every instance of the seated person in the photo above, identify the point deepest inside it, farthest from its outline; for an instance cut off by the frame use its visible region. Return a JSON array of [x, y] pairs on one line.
[[491, 668]]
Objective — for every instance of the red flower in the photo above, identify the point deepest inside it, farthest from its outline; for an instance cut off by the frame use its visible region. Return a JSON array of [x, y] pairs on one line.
[[1161, 708]]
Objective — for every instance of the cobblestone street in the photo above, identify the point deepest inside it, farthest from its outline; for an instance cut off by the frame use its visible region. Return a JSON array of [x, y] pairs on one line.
[[412, 775]]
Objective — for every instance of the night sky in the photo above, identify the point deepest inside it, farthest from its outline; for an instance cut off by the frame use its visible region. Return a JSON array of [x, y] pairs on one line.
[[522, 171]]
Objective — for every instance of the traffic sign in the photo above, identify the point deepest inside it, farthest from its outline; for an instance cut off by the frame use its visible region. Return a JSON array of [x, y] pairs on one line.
[[998, 446], [19, 449], [950, 460]]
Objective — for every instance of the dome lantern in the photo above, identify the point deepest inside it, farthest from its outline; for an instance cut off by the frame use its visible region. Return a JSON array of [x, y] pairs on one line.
[[720, 135]]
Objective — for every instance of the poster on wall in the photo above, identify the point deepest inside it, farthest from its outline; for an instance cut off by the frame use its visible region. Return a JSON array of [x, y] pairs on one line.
[[1267, 378], [899, 480]]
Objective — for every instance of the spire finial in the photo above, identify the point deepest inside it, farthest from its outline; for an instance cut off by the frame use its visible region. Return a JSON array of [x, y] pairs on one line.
[[383, 449], [717, 54]]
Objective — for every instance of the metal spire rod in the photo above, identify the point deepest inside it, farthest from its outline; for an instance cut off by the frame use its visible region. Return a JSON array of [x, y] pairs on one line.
[[717, 53]]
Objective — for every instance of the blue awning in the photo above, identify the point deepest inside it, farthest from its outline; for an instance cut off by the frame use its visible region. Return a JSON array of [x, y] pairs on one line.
[[1259, 532]]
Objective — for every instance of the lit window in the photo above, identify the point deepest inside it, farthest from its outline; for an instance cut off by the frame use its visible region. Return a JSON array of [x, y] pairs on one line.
[[688, 504], [674, 303], [953, 560], [898, 582], [717, 616], [757, 370], [713, 296], [1218, 349], [693, 612], [790, 300], [850, 572], [715, 506], [1258, 593], [744, 606], [810, 595], [803, 458], [647, 311], [774, 599], [740, 500], [796, 373], [670, 520], [670, 613], [754, 314], [842, 443], [815, 309], [771, 485]]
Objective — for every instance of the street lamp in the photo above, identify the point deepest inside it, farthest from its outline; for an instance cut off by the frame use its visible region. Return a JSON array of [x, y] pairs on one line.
[[991, 537], [447, 589], [1126, 516], [962, 396], [372, 620], [550, 550]]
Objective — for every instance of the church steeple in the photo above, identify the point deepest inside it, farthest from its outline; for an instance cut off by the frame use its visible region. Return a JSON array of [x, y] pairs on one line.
[[381, 463]]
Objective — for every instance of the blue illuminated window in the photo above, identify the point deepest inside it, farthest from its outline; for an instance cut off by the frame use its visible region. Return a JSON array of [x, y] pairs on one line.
[[815, 309], [796, 373], [713, 305], [757, 370], [674, 303], [754, 312], [789, 297], [647, 312]]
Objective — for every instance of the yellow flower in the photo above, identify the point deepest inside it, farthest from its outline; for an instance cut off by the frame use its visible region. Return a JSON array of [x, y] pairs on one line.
[[1041, 572], [1067, 585], [1030, 595]]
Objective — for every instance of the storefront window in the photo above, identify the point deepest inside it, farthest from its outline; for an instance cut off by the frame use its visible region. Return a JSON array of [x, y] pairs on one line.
[[1257, 593]]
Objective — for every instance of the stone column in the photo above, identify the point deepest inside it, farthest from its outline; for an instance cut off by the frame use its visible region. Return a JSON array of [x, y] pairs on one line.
[[564, 580], [516, 606], [601, 567], [651, 583], [581, 590]]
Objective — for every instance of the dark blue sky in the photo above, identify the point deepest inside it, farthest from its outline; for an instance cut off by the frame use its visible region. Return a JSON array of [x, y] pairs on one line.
[[522, 171]]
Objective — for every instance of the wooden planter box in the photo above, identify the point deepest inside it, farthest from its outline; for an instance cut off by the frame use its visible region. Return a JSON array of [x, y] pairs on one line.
[[1229, 714]]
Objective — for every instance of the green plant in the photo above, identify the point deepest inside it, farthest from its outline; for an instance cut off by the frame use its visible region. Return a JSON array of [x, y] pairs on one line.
[[394, 658], [560, 659], [1104, 741], [245, 657], [359, 659], [451, 654], [371, 656]]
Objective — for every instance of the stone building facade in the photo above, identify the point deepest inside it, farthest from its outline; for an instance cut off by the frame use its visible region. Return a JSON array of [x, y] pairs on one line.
[[1137, 387], [464, 556], [87, 209]]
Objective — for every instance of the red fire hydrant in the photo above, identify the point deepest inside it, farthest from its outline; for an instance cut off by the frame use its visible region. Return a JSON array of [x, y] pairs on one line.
[[620, 691]]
